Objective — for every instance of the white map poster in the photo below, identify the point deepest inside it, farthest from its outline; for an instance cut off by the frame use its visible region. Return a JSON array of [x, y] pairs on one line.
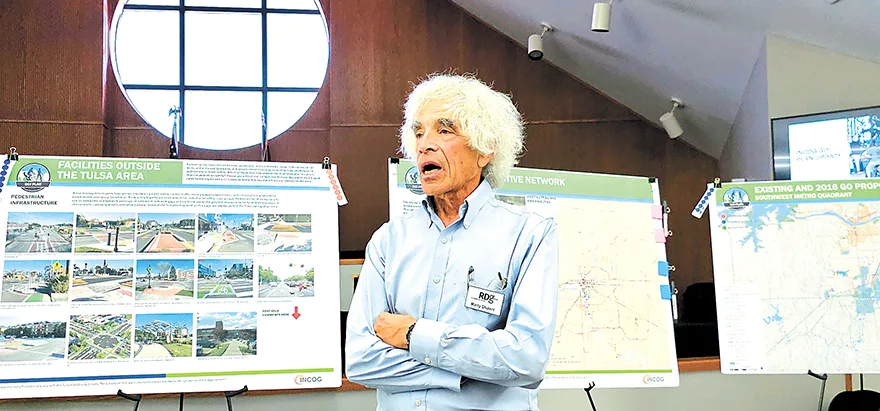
[[156, 276], [614, 321], [797, 273]]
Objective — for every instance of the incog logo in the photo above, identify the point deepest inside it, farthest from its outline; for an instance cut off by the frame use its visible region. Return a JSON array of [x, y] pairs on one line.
[[301, 379], [33, 177], [651, 379], [412, 182]]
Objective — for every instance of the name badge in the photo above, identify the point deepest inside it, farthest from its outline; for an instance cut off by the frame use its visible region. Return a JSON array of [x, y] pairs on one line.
[[484, 300]]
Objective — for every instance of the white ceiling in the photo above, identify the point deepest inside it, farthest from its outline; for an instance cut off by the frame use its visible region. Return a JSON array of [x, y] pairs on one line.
[[701, 51]]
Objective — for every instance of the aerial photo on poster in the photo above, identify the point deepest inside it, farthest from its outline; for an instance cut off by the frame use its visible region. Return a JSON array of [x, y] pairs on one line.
[[99, 337], [104, 233], [283, 276], [225, 233], [32, 338], [44, 232], [284, 233], [231, 334], [226, 278], [166, 232], [164, 279], [102, 280], [35, 281], [163, 335]]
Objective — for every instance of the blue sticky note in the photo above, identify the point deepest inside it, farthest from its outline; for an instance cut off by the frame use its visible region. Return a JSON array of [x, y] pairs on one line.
[[663, 268], [665, 292]]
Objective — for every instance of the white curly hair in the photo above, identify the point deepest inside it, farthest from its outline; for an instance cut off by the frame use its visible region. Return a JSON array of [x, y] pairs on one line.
[[487, 118]]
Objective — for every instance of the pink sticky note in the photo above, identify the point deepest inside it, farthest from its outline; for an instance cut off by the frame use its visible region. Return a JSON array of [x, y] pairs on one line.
[[657, 211], [659, 235]]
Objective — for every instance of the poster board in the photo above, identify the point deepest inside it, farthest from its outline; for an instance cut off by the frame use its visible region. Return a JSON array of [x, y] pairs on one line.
[[157, 276], [797, 275], [614, 320]]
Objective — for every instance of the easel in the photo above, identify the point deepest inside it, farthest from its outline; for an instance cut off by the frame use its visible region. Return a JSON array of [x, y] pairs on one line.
[[590, 396], [136, 398], [824, 378]]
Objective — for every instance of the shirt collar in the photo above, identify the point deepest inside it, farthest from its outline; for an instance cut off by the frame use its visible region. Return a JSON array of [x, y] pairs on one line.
[[469, 209]]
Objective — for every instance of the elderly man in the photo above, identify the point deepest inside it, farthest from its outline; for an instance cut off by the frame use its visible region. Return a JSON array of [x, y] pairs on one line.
[[456, 303]]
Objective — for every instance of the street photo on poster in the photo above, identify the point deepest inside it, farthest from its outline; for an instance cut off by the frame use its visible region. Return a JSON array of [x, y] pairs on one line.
[[43, 232], [284, 233], [227, 334], [35, 281], [164, 279], [102, 280], [226, 278], [30, 337], [163, 335], [225, 233], [99, 337], [104, 233], [285, 276], [166, 232]]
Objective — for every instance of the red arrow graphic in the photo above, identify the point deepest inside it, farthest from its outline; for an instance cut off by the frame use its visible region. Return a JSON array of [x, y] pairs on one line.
[[296, 313]]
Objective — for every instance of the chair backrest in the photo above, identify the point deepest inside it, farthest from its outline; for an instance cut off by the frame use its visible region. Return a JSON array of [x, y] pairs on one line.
[[861, 400], [698, 304]]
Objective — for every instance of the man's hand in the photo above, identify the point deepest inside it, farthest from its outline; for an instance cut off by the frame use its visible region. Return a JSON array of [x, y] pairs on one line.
[[392, 328]]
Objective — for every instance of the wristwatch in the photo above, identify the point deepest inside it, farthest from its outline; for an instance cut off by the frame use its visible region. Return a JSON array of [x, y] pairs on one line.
[[409, 333]]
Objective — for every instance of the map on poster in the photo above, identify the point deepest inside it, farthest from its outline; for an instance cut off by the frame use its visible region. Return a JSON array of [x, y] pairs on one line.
[[156, 276], [797, 271], [614, 319]]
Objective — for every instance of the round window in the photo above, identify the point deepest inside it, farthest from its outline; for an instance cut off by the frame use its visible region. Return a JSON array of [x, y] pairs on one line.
[[226, 70]]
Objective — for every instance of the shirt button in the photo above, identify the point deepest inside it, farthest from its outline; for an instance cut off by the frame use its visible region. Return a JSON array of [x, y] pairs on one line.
[[436, 280], [443, 240], [418, 402], [427, 360]]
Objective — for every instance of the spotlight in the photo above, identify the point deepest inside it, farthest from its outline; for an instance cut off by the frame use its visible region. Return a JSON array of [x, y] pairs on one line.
[[669, 122], [536, 43], [602, 17]]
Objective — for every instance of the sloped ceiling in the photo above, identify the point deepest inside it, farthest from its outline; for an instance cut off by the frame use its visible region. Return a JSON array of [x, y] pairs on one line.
[[701, 51]]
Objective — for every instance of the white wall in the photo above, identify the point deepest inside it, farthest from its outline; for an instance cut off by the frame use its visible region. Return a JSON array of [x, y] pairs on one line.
[[799, 79], [747, 153], [699, 391], [803, 79]]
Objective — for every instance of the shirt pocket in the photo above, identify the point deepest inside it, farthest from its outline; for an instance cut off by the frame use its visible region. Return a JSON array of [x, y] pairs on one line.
[[494, 278]]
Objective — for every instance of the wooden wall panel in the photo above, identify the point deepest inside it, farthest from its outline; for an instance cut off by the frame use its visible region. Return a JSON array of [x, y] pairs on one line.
[[362, 154], [53, 59], [689, 248], [52, 139]]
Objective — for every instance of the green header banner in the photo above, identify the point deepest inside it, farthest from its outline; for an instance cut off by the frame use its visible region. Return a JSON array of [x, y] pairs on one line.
[[798, 191], [97, 170], [549, 182]]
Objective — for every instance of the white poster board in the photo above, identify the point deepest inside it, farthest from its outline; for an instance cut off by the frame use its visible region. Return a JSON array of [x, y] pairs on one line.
[[614, 319], [797, 274], [156, 276]]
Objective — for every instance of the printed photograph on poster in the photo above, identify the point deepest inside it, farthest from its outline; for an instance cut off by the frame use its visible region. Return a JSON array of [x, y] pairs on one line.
[[225, 233], [104, 233], [230, 334], [102, 280], [166, 232], [32, 338], [99, 337], [35, 281], [285, 276], [284, 233], [226, 278], [519, 201], [164, 279], [163, 335], [45, 232]]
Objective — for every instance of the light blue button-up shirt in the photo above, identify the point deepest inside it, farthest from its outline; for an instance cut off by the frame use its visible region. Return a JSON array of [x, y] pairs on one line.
[[459, 358]]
